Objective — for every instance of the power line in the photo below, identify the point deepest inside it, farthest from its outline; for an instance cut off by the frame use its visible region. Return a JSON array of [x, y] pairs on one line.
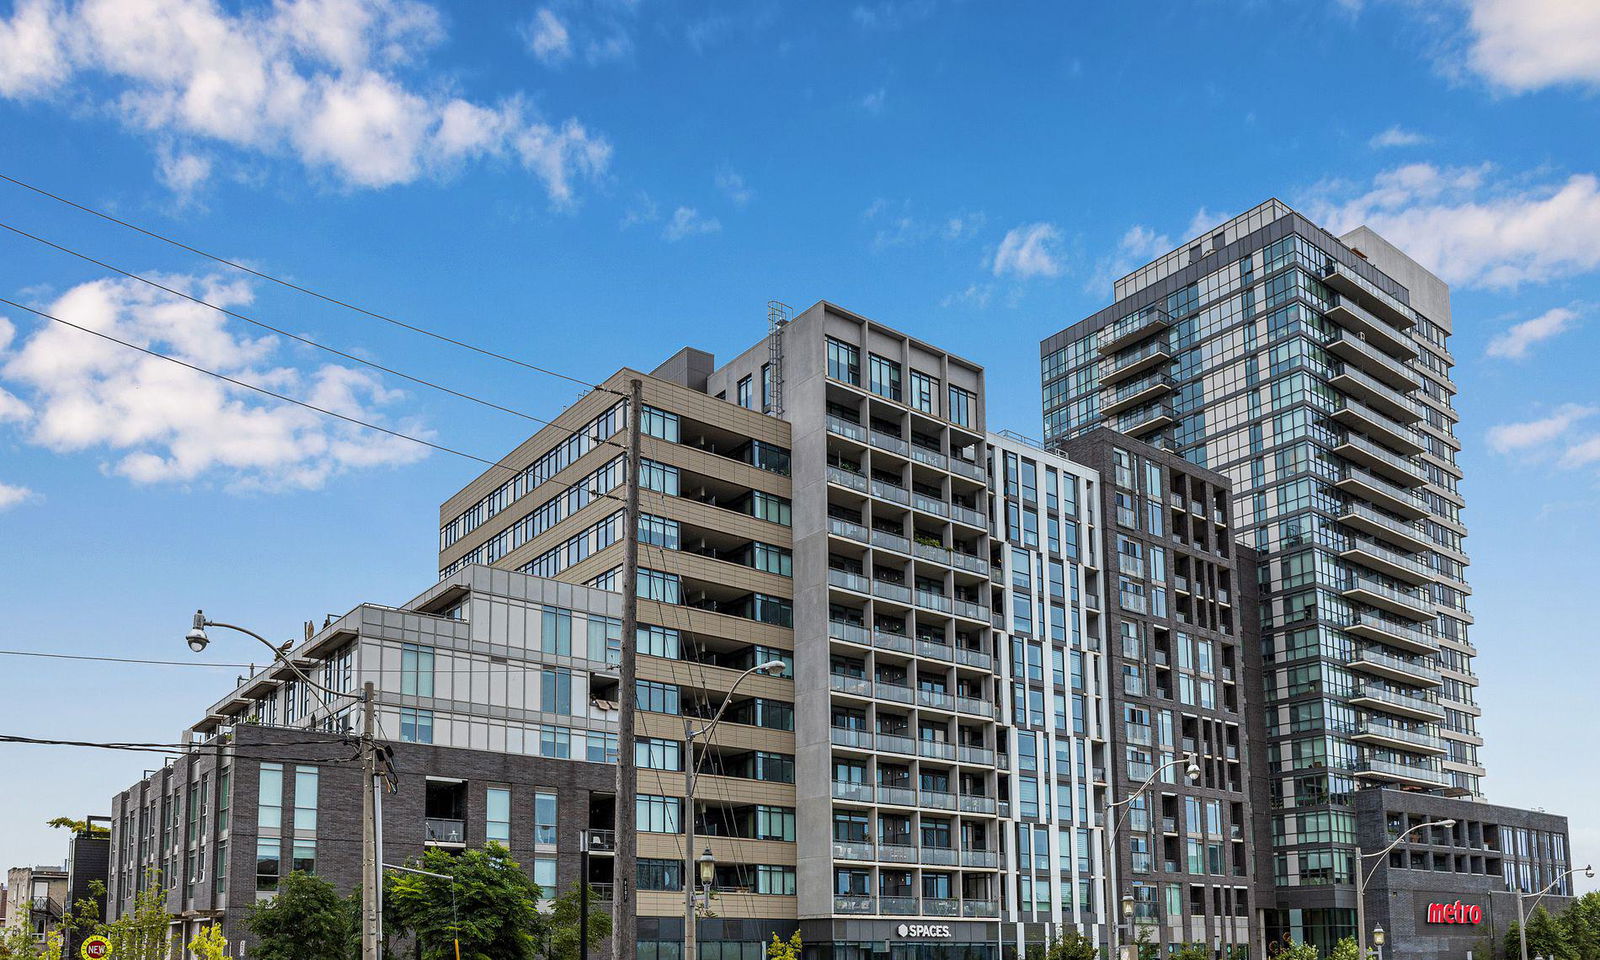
[[160, 663], [263, 390], [305, 290], [267, 326], [170, 749]]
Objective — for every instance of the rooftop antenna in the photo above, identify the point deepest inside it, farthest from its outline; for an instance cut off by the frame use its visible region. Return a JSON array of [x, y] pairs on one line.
[[777, 319]]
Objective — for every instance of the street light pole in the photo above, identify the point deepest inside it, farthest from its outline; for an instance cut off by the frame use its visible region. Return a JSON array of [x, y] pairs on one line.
[[691, 775], [1362, 876], [1522, 917], [1108, 832], [371, 812]]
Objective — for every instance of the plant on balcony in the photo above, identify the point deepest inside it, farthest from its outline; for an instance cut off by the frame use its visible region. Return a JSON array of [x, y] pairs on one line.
[[928, 541]]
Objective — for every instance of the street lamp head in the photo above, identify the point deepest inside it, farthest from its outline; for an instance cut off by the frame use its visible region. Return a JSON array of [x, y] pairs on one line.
[[708, 868], [196, 636], [1127, 906], [1589, 871], [1192, 771], [1378, 936], [774, 668], [1443, 823]]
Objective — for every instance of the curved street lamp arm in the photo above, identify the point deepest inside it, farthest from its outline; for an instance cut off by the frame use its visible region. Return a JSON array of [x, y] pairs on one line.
[[716, 718], [278, 654], [1556, 882], [1186, 758]]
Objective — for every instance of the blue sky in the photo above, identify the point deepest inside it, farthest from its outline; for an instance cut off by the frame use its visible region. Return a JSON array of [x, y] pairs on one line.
[[589, 183]]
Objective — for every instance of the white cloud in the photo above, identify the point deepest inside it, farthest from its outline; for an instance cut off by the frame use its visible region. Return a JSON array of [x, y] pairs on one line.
[[1524, 45], [548, 37], [687, 222], [1202, 222], [734, 188], [1515, 342], [1508, 437], [1138, 245], [642, 210], [1029, 251], [324, 81], [11, 495], [183, 172], [1397, 136], [1475, 233], [891, 14], [157, 422], [873, 102]]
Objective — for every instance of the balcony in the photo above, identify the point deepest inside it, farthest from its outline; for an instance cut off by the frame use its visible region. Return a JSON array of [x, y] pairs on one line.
[[1143, 420], [930, 505], [937, 799], [968, 469], [850, 737], [1349, 347], [1398, 738], [898, 642], [940, 856], [846, 478], [1380, 460], [983, 757], [1373, 627], [899, 797], [844, 428], [974, 706], [1351, 286], [932, 458], [895, 743], [444, 831], [897, 592], [936, 699], [971, 563], [889, 442], [1386, 561], [1375, 594], [894, 493], [602, 841], [1133, 393], [849, 790], [896, 692], [1134, 362], [856, 686], [850, 632], [934, 650], [898, 906], [1362, 517], [848, 530], [980, 908], [1365, 419], [846, 580], [982, 859], [1130, 330], [1380, 396], [854, 905], [973, 804], [1395, 669], [1370, 486], [933, 600], [974, 658], [1400, 773], [971, 611], [853, 851], [936, 749], [1373, 697], [885, 540], [940, 907], [968, 516]]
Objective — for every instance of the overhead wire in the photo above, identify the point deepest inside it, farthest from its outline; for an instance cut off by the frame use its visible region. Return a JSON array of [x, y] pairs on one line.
[[302, 289], [421, 381]]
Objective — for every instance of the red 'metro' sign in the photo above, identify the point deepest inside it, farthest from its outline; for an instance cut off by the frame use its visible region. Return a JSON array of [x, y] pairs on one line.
[[1457, 912]]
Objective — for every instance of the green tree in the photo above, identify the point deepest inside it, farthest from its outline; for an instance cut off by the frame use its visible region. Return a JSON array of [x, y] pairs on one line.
[[1148, 949], [307, 920], [785, 949], [1291, 949], [565, 929], [494, 912], [141, 933], [1346, 949], [79, 826], [1582, 921], [1071, 945], [1547, 937], [210, 944], [1192, 951]]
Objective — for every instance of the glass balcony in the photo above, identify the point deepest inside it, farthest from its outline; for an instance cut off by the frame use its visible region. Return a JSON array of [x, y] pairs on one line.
[[1365, 419], [974, 706], [932, 458], [1389, 735], [1396, 669], [1351, 348], [898, 642], [971, 804], [846, 478], [1392, 563], [1397, 500], [853, 851], [940, 856], [968, 469], [848, 790], [940, 907], [844, 428], [889, 442], [894, 743], [858, 686], [1380, 460], [1402, 602], [1133, 362], [1130, 330], [1133, 393], [848, 530], [891, 541], [900, 797], [937, 800], [854, 905], [891, 492], [1373, 697], [440, 830], [1400, 773], [968, 516], [936, 699], [850, 737], [980, 858], [1365, 518], [980, 908], [898, 906], [884, 590], [1142, 420], [1382, 397], [1371, 626], [849, 581], [897, 692], [1350, 285], [974, 658]]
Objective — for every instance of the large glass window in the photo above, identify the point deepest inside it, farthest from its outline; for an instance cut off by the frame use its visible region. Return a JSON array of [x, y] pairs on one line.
[[555, 690], [269, 809], [416, 726], [544, 874], [844, 362], [962, 406], [416, 670], [305, 799], [746, 394], [884, 377], [660, 875], [657, 754], [268, 865], [544, 818], [658, 814], [923, 390]]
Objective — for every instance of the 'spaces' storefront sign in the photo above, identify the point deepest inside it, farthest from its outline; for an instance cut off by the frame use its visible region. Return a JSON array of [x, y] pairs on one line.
[[1457, 912]]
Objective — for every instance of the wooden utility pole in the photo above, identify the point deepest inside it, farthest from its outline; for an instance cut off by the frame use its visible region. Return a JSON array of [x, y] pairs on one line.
[[370, 933], [624, 926]]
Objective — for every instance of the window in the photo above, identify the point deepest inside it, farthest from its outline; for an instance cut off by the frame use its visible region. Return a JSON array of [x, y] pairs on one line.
[[416, 726], [544, 818], [497, 815], [269, 811], [961, 406], [555, 633], [656, 697], [774, 823], [923, 388], [774, 880], [660, 477], [658, 814], [268, 851], [659, 423], [658, 754], [416, 670], [658, 531], [544, 874], [656, 585], [773, 559], [219, 872], [884, 377], [773, 509], [844, 362], [658, 642], [746, 397], [660, 875], [766, 388], [305, 855], [305, 800], [555, 690]]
